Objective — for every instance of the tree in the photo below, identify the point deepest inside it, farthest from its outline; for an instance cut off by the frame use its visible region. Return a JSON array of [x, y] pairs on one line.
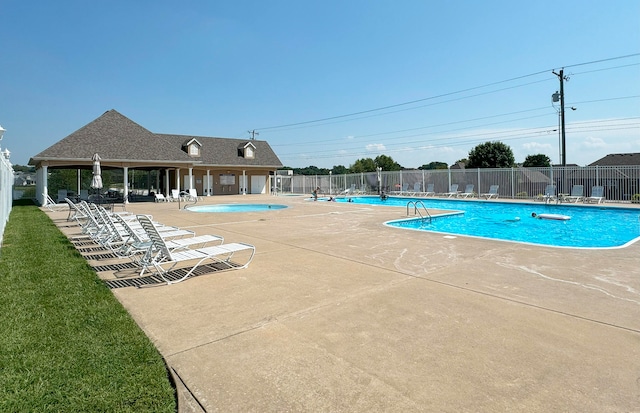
[[463, 161], [434, 165], [363, 165], [491, 155], [539, 160], [387, 163], [311, 170], [339, 170], [23, 168]]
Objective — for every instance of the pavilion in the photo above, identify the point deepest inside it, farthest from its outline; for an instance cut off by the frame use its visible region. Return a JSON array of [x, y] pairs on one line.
[[212, 166]]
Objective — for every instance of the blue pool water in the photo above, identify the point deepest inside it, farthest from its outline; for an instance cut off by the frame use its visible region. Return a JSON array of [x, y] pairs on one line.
[[589, 226], [235, 207]]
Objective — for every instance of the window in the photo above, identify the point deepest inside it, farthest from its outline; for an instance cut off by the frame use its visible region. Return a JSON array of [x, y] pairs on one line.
[[194, 150], [247, 150]]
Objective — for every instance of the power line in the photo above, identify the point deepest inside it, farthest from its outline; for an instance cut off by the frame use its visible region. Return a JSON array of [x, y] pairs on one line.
[[439, 96], [355, 137], [517, 134]]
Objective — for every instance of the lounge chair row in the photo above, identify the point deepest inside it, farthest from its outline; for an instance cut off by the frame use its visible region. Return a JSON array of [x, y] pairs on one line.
[[550, 193], [158, 248], [188, 196], [576, 195], [453, 191]]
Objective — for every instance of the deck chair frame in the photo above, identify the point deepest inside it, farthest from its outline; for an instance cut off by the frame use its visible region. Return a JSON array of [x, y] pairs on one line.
[[163, 259]]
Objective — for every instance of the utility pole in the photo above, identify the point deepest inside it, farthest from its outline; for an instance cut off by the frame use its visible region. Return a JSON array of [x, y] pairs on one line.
[[253, 134], [563, 145]]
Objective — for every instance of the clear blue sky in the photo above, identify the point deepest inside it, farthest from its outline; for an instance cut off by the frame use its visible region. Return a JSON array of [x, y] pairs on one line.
[[476, 71]]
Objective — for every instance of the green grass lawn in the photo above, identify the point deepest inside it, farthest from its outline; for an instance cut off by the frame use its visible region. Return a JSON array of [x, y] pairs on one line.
[[67, 344]]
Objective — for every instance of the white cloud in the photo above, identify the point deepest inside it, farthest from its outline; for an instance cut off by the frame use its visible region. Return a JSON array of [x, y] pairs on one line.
[[537, 146], [593, 143], [375, 147]]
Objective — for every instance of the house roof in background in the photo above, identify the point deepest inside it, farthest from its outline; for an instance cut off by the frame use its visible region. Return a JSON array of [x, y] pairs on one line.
[[618, 159]]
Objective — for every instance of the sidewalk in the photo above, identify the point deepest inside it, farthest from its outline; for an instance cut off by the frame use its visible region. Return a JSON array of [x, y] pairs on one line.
[[338, 313]]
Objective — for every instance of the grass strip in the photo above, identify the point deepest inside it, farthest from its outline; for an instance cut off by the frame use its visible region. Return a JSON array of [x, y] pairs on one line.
[[67, 344]]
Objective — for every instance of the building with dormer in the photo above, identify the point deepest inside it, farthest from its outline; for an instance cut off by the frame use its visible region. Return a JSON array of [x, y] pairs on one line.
[[211, 165]]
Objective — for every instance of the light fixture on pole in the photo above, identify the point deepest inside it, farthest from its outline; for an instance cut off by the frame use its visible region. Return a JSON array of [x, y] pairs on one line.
[[379, 171]]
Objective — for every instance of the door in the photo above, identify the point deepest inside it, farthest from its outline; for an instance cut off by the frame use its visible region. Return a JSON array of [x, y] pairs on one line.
[[258, 184]]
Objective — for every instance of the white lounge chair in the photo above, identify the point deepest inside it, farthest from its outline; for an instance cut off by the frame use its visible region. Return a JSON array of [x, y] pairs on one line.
[[453, 191], [175, 195], [76, 213], [137, 242], [52, 206], [193, 195], [597, 195], [161, 198], [401, 189], [550, 194], [430, 191], [350, 191], [577, 194], [493, 192], [468, 192], [417, 189], [164, 259]]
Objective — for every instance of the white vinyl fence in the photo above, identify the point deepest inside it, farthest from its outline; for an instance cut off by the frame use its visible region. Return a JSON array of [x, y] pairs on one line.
[[620, 183], [6, 193]]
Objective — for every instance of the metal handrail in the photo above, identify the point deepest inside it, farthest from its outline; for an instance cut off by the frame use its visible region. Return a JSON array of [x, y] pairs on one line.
[[416, 211]]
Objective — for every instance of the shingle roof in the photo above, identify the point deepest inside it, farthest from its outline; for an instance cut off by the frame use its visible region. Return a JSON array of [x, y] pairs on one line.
[[225, 151], [116, 138], [618, 159]]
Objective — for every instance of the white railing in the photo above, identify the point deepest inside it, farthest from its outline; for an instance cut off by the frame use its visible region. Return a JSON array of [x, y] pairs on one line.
[[6, 192], [620, 183]]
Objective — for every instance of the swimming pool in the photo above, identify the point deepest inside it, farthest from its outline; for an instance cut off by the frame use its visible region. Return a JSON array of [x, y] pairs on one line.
[[235, 207], [589, 226]]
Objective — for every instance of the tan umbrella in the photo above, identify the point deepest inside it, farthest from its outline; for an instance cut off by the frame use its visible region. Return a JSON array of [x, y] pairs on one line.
[[96, 181]]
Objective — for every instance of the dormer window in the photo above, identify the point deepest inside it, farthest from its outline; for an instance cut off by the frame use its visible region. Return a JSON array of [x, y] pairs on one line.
[[192, 147], [247, 150]]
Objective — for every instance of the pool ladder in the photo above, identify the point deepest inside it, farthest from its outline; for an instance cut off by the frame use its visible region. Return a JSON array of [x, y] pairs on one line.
[[417, 211]]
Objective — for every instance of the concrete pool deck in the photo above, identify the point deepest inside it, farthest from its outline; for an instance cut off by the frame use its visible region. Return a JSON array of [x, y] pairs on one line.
[[340, 313]]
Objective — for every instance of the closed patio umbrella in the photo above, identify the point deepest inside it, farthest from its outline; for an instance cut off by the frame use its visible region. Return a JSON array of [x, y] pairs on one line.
[[96, 181]]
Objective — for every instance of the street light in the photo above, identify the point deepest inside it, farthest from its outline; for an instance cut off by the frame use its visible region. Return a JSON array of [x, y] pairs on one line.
[[379, 171], [2, 131]]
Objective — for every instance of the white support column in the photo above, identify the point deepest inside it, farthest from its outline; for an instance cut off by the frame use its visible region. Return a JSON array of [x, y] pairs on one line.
[[178, 179], [244, 182], [126, 184], [44, 190], [208, 184], [190, 178], [167, 190]]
